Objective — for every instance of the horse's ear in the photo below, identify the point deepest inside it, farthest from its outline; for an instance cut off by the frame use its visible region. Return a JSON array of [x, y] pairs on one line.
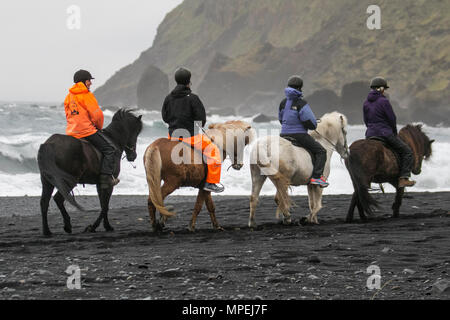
[[432, 141], [140, 117], [248, 128], [211, 126]]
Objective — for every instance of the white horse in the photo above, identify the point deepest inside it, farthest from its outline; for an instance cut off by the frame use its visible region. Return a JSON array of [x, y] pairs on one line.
[[287, 165]]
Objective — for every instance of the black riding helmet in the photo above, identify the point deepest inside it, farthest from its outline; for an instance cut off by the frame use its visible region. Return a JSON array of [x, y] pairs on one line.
[[295, 82], [378, 82], [82, 76], [183, 76]]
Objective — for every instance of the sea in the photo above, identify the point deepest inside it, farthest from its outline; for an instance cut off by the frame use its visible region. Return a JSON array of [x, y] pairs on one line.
[[25, 126]]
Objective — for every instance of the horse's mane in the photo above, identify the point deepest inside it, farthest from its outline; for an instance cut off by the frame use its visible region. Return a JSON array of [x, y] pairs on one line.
[[237, 127], [233, 124], [417, 134], [125, 114], [332, 118], [330, 124]]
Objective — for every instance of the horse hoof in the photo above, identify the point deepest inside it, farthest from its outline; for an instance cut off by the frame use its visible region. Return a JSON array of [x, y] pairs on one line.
[[47, 234], [219, 229], [304, 221], [68, 229], [287, 222], [89, 229], [191, 229], [108, 227]]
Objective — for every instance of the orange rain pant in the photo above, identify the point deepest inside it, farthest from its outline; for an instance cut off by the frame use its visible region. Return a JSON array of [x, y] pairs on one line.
[[212, 153]]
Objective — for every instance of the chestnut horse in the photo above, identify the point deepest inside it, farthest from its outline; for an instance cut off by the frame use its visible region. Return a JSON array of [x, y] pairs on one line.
[[370, 161], [162, 162]]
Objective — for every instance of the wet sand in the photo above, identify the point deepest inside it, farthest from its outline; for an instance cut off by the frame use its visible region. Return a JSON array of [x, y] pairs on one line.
[[273, 261]]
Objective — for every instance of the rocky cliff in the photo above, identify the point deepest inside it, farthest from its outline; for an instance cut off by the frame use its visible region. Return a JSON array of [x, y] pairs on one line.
[[241, 53]]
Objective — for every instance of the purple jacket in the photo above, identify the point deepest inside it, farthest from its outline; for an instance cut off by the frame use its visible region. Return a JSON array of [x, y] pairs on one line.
[[379, 117]]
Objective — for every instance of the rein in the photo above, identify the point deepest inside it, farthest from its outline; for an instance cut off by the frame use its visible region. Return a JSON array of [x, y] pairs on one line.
[[331, 143]]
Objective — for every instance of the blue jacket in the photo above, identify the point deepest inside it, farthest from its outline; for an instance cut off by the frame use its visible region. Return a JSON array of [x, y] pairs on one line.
[[295, 114], [379, 116]]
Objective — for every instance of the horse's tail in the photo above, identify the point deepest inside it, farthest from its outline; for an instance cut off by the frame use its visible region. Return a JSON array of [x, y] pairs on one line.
[[60, 179], [282, 184], [261, 157], [153, 165], [356, 170]]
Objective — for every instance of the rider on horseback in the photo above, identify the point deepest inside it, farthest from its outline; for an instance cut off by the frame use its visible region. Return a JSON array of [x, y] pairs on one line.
[[381, 122], [181, 110], [85, 120], [296, 117]]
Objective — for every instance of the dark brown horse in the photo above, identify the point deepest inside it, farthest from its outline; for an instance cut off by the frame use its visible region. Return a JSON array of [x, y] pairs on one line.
[[65, 161], [370, 161], [191, 172]]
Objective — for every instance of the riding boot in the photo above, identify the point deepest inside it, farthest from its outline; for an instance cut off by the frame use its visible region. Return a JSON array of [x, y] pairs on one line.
[[108, 181], [405, 182]]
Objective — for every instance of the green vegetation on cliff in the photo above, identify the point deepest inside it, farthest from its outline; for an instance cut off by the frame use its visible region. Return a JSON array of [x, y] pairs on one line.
[[242, 50]]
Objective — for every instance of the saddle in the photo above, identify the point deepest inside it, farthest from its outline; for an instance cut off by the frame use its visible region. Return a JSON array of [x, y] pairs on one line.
[[86, 143], [387, 146], [297, 145], [202, 184]]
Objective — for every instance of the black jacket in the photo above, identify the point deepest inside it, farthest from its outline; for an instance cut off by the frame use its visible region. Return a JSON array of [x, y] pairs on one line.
[[181, 109]]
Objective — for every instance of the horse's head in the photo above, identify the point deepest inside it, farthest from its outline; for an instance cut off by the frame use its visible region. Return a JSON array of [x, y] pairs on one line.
[[126, 127], [232, 137], [333, 129], [419, 143]]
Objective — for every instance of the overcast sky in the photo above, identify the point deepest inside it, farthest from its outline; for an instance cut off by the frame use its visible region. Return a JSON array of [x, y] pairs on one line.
[[39, 54]]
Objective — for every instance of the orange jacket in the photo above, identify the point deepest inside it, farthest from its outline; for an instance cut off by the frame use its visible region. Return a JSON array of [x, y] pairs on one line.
[[83, 114]]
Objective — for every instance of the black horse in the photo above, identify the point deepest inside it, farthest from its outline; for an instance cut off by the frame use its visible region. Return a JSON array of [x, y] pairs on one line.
[[65, 161]]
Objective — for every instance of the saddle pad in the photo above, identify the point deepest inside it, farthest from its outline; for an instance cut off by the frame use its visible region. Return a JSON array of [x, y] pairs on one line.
[[202, 184], [99, 154]]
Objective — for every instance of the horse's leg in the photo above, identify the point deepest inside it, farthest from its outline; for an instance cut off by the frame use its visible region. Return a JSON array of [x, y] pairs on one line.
[[166, 190], [351, 210], [398, 202], [59, 200], [287, 220], [315, 203], [104, 197], [361, 211], [197, 208], [212, 211], [104, 203], [277, 202], [257, 184], [282, 197], [47, 191], [151, 212]]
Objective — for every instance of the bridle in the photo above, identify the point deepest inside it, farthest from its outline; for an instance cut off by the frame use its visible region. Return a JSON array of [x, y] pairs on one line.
[[335, 145], [129, 149]]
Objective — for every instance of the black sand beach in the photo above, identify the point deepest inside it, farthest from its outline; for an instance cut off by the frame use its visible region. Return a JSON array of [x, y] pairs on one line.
[[328, 261]]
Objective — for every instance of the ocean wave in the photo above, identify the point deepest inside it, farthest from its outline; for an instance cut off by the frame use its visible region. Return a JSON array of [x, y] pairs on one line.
[[22, 135]]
